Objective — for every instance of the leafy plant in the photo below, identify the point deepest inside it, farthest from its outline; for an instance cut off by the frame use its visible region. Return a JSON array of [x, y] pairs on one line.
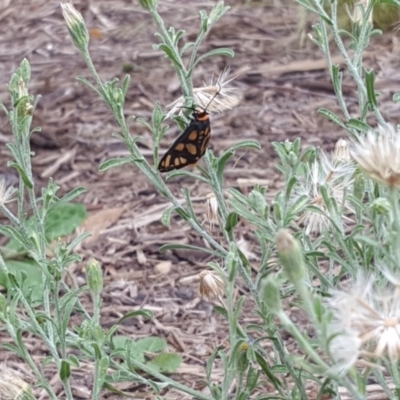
[[335, 224]]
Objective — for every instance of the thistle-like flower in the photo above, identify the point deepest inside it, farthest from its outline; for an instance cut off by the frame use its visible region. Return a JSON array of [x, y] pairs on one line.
[[334, 173], [6, 194], [211, 285], [217, 97], [373, 315], [378, 155]]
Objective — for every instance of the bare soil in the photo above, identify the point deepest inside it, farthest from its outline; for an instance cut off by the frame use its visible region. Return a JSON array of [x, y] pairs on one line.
[[283, 86]]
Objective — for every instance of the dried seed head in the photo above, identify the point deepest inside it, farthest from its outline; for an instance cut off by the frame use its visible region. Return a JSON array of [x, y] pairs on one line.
[[12, 386], [344, 348], [226, 97], [378, 154], [342, 151], [6, 194], [211, 209], [211, 285], [360, 8], [337, 177]]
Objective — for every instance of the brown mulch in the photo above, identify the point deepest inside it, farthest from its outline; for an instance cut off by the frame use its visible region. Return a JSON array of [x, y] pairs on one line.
[[283, 86]]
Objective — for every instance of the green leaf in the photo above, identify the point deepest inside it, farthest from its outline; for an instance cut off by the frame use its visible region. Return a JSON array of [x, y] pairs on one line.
[[125, 84], [336, 79], [172, 246], [170, 54], [166, 216], [370, 83], [33, 283], [231, 221], [279, 369], [306, 5], [358, 125], [114, 162], [166, 362], [157, 117], [222, 51], [183, 173], [73, 360], [73, 194], [244, 144], [27, 182], [265, 367], [134, 314], [63, 219], [210, 363], [396, 97], [87, 83], [16, 239], [331, 116], [186, 47], [180, 211], [151, 344], [227, 154], [65, 370], [390, 2]]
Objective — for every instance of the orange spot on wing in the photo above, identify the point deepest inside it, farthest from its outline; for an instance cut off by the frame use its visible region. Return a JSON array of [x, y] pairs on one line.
[[191, 148], [193, 135], [167, 161]]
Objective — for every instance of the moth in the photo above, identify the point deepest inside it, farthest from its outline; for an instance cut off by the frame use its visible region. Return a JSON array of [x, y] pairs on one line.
[[190, 146]]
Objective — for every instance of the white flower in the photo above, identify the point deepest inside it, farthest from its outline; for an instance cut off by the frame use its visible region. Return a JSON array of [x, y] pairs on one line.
[[378, 154], [218, 96], [344, 348], [373, 314], [337, 176]]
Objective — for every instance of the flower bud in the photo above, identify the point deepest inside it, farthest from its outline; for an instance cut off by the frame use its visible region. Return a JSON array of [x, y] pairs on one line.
[[94, 277], [381, 206], [290, 255], [149, 5], [270, 295], [76, 26]]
